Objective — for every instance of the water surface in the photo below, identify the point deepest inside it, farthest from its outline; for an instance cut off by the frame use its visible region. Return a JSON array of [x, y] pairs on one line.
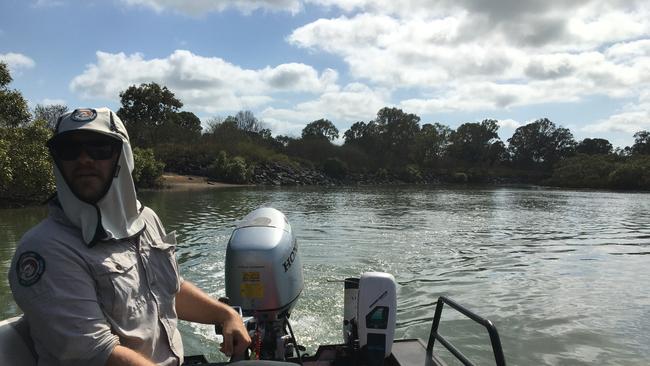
[[563, 274]]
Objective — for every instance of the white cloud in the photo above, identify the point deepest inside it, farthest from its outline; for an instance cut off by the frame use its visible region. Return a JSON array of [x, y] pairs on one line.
[[17, 62], [633, 118], [204, 84], [509, 124], [47, 4], [48, 101], [352, 103], [199, 7], [481, 55]]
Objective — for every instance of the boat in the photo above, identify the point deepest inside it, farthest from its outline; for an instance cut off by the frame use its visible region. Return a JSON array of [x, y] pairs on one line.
[[264, 280]]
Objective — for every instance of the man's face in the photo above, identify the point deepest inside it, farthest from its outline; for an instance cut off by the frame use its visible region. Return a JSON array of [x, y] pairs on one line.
[[87, 160]]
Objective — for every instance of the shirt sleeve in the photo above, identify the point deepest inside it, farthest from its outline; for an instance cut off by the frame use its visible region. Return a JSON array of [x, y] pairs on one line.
[[54, 288]]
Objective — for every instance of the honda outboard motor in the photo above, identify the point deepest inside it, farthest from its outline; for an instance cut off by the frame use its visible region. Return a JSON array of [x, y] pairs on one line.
[[264, 278]]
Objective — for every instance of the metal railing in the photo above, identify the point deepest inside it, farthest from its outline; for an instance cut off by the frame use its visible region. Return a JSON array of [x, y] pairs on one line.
[[497, 350]]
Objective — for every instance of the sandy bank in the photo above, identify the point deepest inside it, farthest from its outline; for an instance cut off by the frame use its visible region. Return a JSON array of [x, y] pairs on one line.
[[177, 182]]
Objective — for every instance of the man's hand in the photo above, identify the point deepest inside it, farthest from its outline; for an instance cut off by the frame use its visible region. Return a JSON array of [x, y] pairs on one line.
[[194, 305], [235, 336]]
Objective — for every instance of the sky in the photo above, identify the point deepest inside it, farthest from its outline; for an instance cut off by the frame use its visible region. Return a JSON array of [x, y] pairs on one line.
[[584, 64]]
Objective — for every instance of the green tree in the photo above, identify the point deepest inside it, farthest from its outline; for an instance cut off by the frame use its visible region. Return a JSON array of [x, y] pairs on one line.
[[145, 109], [365, 135], [231, 170], [472, 142], [540, 144], [148, 171], [25, 164], [641, 143], [320, 129], [594, 146], [431, 143], [397, 130], [49, 113], [180, 127], [14, 111], [584, 171], [632, 174]]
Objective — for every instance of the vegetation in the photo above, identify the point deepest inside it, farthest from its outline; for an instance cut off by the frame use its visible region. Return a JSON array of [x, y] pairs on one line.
[[392, 147], [25, 165], [147, 172]]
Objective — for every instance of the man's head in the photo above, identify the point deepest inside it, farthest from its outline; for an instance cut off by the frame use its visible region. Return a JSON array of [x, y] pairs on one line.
[[86, 147], [94, 186], [87, 160]]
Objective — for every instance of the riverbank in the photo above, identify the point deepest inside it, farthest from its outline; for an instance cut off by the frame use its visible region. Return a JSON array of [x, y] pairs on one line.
[[177, 182]]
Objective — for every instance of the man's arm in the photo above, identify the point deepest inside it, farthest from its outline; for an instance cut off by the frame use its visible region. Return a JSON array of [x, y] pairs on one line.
[[192, 304], [122, 356]]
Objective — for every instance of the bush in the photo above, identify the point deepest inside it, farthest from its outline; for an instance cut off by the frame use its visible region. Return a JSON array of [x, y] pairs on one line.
[[411, 174], [25, 163], [335, 168], [584, 171], [459, 177], [229, 170], [382, 174], [147, 172], [633, 174]]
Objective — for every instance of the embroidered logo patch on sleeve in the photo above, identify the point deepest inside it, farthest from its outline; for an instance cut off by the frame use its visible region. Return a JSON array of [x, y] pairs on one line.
[[30, 267]]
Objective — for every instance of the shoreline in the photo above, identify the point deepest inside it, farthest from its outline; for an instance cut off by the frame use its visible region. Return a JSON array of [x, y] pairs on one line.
[[177, 182]]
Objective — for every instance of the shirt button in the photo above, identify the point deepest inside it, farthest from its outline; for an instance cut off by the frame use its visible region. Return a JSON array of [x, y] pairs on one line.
[[119, 267]]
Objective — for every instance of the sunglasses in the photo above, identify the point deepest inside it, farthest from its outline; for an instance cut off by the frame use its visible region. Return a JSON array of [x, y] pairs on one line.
[[95, 149]]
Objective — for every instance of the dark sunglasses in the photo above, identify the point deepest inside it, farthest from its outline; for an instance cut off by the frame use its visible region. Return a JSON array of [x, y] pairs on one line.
[[96, 149]]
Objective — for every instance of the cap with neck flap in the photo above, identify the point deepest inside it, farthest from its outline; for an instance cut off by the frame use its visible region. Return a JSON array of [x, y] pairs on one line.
[[116, 215]]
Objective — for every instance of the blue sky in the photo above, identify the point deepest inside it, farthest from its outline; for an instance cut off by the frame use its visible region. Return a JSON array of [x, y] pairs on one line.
[[585, 66]]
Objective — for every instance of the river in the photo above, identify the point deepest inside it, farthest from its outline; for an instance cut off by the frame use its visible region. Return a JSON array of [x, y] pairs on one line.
[[564, 275]]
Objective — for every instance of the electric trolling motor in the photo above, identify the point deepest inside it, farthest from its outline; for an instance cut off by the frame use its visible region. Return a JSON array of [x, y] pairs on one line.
[[264, 280]]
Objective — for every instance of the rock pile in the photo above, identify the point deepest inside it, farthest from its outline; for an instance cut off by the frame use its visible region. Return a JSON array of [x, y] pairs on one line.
[[276, 174]]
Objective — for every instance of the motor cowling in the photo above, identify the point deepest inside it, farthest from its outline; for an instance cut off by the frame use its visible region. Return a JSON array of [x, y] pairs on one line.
[[263, 268]]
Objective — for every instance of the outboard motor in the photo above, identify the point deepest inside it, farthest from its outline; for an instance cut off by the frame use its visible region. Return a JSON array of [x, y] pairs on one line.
[[264, 278]]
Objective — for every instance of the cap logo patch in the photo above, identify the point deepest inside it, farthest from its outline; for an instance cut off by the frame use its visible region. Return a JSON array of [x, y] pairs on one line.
[[83, 115], [30, 267]]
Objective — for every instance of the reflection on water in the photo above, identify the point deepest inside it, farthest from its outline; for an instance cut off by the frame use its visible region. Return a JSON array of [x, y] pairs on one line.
[[563, 274]]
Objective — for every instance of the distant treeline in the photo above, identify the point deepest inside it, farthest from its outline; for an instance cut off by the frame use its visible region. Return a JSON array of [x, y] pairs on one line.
[[393, 147]]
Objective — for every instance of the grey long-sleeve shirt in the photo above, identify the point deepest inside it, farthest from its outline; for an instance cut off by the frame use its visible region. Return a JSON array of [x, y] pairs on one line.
[[80, 301]]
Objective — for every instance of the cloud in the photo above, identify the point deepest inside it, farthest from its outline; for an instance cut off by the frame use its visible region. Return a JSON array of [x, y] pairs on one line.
[[48, 101], [509, 124], [633, 118], [200, 7], [481, 55], [47, 4], [17, 62], [204, 84], [354, 102]]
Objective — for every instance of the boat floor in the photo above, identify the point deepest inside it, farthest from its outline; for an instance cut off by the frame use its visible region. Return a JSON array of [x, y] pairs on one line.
[[405, 352]]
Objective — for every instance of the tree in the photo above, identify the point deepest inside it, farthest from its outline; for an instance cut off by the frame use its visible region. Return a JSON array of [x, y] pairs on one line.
[[641, 143], [246, 121], [431, 143], [49, 113], [14, 111], [471, 142], [181, 127], [540, 144], [594, 147], [25, 164], [144, 109], [320, 129], [397, 130]]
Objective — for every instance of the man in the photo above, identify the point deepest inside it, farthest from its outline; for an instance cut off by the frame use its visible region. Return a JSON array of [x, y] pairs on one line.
[[98, 280]]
